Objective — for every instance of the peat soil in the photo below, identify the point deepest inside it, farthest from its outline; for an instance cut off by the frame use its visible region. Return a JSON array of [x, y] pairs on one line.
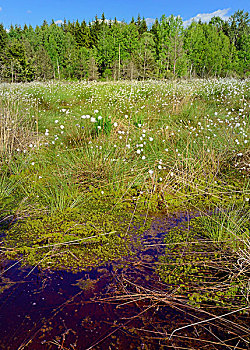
[[122, 305]]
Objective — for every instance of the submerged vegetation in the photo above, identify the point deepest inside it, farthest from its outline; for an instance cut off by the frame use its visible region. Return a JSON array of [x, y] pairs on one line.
[[85, 166]]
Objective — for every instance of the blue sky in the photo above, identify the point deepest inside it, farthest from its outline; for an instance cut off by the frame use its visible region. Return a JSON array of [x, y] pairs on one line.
[[35, 11]]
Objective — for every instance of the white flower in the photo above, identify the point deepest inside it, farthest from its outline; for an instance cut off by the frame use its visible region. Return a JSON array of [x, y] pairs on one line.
[[138, 151], [92, 119], [159, 167], [115, 124], [100, 117], [33, 163], [62, 126], [151, 139], [128, 145], [166, 149], [96, 111], [143, 157], [99, 127], [151, 172], [56, 121], [171, 174]]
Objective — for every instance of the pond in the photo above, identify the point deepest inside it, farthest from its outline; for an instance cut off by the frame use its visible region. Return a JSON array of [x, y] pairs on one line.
[[119, 305]]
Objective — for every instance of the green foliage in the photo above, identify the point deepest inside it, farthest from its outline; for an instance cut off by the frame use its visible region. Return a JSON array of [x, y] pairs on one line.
[[115, 50], [203, 270], [74, 239]]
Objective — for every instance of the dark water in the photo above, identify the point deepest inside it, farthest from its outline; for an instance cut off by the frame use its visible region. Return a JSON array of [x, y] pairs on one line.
[[103, 308]]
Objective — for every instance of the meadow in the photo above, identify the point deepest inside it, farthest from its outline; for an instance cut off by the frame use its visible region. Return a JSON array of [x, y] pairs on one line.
[[85, 166]]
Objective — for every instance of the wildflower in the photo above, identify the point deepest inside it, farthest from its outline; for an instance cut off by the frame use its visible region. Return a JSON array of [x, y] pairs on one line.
[[100, 117], [143, 157], [151, 139], [92, 119], [56, 121], [151, 172], [159, 167], [115, 124], [62, 126], [138, 151]]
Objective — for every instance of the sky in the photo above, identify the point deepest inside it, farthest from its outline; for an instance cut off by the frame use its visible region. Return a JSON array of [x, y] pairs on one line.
[[34, 12]]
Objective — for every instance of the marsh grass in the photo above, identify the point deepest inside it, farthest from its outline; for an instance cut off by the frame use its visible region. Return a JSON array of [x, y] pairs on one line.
[[17, 129], [151, 145]]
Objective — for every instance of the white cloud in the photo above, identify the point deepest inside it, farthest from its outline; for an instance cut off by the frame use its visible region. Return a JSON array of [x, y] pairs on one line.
[[59, 21], [150, 21], [205, 17]]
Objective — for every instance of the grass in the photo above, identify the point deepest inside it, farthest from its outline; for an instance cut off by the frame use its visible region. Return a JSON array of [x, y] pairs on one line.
[[127, 146]]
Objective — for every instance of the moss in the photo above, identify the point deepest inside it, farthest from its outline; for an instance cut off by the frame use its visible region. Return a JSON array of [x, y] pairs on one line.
[[202, 269], [75, 238]]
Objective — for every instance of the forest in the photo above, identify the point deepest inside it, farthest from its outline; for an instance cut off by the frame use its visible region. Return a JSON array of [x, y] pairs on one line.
[[113, 50]]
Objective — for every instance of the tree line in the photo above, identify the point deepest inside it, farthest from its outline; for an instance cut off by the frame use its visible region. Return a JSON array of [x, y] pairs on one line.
[[112, 50]]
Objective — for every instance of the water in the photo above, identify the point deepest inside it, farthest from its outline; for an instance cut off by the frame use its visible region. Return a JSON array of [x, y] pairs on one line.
[[101, 308]]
